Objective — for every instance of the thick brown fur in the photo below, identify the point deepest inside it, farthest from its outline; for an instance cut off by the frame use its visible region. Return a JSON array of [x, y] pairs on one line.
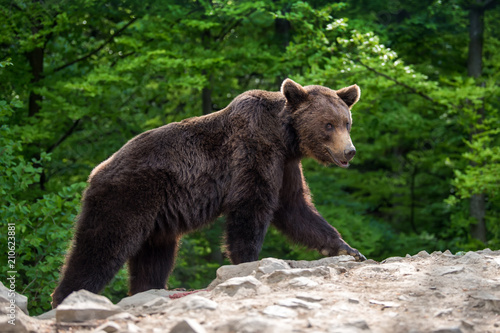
[[242, 162]]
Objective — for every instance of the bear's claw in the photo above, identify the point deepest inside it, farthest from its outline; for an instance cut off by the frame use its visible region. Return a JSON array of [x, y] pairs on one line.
[[347, 250]]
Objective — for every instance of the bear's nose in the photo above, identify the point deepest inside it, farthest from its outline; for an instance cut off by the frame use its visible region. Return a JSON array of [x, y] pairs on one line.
[[349, 153]]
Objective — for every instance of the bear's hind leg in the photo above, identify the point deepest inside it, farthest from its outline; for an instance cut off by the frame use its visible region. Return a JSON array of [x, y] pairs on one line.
[[150, 267], [94, 260]]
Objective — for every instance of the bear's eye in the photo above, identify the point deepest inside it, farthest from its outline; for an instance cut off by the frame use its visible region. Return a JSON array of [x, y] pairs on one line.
[[329, 127], [348, 126]]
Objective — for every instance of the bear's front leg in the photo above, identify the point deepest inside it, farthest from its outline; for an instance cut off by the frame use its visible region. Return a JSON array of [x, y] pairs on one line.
[[297, 217], [245, 234]]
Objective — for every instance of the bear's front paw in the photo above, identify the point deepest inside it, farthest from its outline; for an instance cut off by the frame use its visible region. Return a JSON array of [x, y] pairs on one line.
[[347, 250]]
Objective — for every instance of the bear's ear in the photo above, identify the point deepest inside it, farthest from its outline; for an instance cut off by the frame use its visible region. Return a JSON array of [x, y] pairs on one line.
[[294, 92], [350, 95]]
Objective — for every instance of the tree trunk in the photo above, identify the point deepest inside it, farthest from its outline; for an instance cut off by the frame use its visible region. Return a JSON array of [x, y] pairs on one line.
[[474, 69], [282, 29], [206, 95], [35, 58], [206, 92]]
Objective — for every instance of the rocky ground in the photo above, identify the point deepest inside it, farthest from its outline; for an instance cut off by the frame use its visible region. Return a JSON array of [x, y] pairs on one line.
[[437, 292]]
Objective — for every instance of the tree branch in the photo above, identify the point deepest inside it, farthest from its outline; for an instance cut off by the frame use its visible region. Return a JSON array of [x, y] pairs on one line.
[[109, 40], [404, 85], [65, 136]]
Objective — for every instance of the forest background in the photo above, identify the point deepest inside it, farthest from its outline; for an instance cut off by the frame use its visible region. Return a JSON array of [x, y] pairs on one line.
[[79, 78]]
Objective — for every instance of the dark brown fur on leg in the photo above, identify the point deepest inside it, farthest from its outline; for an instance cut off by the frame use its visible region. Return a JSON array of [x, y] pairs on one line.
[[100, 249], [150, 267], [298, 218]]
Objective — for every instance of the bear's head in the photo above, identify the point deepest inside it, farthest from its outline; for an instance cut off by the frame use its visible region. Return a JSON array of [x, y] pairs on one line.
[[322, 119]]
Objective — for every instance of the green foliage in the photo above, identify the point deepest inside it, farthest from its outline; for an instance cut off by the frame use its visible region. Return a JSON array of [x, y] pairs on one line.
[[83, 77], [43, 224]]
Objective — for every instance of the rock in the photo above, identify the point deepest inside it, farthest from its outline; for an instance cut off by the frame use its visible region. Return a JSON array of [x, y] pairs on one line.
[[282, 274], [298, 303], [187, 326], [460, 292], [441, 271], [447, 253], [392, 269], [300, 282], [132, 328], [242, 285], [21, 301], [329, 261], [123, 316], [423, 254], [227, 272], [386, 304], [156, 305], [497, 260], [83, 305], [309, 297], [470, 258], [140, 299], [467, 325], [47, 315], [448, 330], [19, 327], [392, 259], [489, 301], [353, 327], [443, 312], [108, 327], [279, 311], [269, 265], [253, 325], [361, 324], [191, 302], [9, 316]]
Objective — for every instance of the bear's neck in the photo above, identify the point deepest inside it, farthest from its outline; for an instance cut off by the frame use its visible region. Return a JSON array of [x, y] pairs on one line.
[[290, 136]]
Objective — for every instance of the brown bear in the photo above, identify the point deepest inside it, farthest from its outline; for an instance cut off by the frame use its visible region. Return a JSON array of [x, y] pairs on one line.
[[242, 162]]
